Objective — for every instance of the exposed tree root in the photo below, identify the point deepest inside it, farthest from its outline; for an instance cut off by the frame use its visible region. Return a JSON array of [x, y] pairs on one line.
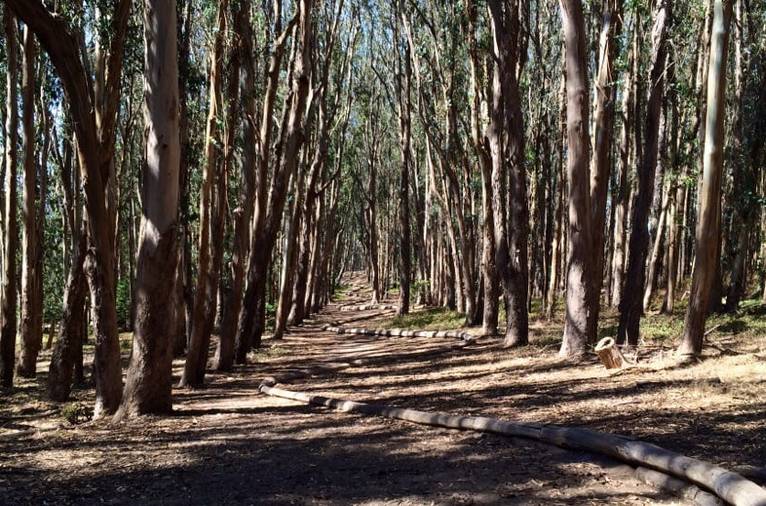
[[654, 464]]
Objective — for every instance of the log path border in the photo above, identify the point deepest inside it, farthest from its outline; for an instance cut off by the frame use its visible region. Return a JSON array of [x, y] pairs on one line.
[[703, 483]]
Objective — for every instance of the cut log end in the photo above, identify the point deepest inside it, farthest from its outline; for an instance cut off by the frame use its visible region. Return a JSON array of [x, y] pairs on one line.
[[610, 354]]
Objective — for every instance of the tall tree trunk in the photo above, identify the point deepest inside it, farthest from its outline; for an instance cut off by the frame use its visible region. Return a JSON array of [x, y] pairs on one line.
[[31, 297], [488, 267], [709, 224], [67, 351], [631, 304], [149, 380], [268, 218], [8, 308], [559, 232], [603, 133], [253, 306], [404, 82], [207, 280], [94, 125], [622, 192], [744, 214], [659, 240], [579, 303], [184, 297], [511, 239], [290, 257], [243, 214]]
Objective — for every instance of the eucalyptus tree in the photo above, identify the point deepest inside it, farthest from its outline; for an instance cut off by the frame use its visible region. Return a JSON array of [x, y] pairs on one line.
[[31, 294], [269, 214], [94, 128], [580, 251], [149, 378], [511, 237], [708, 227], [631, 305], [211, 217], [9, 278]]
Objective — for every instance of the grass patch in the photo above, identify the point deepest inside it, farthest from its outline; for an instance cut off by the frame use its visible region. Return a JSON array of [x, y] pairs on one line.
[[429, 319], [76, 413], [341, 293], [272, 351]]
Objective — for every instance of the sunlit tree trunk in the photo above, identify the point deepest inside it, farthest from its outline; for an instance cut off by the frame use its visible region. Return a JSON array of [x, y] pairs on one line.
[[10, 140], [511, 238], [579, 308], [603, 135], [149, 380], [709, 213]]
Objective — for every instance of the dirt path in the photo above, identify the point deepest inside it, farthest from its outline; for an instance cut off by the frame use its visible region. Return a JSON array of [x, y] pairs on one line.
[[230, 445]]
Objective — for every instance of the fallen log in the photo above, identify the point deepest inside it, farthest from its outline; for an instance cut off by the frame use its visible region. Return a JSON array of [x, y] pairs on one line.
[[729, 486], [367, 307], [465, 336]]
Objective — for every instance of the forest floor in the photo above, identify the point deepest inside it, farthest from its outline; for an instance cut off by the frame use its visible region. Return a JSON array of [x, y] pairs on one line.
[[230, 444]]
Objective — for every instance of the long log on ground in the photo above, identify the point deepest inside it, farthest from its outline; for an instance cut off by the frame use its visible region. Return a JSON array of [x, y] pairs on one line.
[[465, 336], [367, 307], [729, 486]]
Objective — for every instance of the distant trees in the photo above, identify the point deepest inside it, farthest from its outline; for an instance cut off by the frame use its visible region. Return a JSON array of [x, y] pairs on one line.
[[457, 152], [631, 305]]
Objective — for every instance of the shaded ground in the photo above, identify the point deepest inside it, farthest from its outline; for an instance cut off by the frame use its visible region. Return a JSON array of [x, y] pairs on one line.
[[229, 444]]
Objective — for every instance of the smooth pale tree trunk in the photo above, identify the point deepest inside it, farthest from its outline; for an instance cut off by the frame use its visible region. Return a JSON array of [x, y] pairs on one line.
[[207, 282], [31, 297], [149, 380], [709, 224], [10, 140], [631, 305], [579, 303], [603, 134]]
